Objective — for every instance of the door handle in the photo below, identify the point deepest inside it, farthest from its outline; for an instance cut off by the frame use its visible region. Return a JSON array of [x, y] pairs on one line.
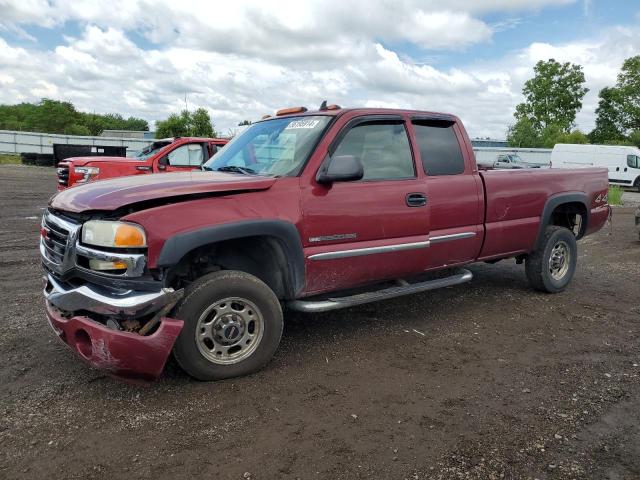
[[416, 199]]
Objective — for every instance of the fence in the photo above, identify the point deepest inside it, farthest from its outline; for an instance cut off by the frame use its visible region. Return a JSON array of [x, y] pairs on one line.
[[31, 142], [488, 155]]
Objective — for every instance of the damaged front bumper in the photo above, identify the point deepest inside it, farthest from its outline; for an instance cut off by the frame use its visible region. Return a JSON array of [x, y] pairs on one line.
[[107, 301], [124, 354]]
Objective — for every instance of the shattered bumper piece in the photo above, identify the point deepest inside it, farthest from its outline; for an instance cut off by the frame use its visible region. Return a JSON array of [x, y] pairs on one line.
[[122, 354]]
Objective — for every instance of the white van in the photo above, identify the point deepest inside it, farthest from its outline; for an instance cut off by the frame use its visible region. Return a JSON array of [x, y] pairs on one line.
[[623, 162]]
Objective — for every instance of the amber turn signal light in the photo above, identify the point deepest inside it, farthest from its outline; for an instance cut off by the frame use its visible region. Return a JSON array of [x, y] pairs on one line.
[[129, 236]]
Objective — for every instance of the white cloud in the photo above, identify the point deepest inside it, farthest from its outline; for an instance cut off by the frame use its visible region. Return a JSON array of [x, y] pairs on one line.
[[245, 59]]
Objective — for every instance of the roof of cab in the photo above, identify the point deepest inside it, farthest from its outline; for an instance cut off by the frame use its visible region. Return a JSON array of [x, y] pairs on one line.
[[371, 111]]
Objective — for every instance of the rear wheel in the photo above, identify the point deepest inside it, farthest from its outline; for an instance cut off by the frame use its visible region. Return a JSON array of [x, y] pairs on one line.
[[232, 326], [551, 267]]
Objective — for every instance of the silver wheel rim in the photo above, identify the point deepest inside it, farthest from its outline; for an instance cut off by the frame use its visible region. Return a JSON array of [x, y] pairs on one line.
[[559, 260], [229, 331]]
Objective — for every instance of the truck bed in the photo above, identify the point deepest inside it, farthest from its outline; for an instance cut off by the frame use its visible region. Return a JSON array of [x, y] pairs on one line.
[[515, 199]]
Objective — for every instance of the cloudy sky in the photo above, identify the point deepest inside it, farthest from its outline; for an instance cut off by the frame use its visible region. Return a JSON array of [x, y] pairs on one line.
[[242, 59]]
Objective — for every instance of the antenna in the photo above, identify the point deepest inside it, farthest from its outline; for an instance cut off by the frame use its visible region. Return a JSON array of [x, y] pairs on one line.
[[323, 105]]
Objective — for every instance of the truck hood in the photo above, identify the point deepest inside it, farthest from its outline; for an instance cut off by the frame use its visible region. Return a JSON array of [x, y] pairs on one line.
[[119, 192], [83, 161]]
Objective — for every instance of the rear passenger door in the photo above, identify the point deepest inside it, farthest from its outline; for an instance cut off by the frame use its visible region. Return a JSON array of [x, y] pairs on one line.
[[455, 192], [361, 231]]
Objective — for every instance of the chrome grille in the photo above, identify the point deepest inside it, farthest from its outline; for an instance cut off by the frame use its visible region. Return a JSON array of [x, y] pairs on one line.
[[57, 242], [63, 175]]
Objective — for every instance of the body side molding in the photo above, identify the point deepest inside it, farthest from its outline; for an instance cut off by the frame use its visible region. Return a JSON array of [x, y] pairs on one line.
[[357, 252], [453, 236]]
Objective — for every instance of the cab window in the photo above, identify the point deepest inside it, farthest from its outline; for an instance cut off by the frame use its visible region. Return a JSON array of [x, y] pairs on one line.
[[382, 147], [439, 148], [633, 161], [190, 155]]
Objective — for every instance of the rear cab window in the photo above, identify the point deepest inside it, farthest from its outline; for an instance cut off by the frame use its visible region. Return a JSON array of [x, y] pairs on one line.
[[439, 147]]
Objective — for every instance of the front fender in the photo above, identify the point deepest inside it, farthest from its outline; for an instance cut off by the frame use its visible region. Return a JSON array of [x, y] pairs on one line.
[[179, 245]]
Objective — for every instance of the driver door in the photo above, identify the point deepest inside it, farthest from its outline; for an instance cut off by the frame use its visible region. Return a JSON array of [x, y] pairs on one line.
[[357, 232]]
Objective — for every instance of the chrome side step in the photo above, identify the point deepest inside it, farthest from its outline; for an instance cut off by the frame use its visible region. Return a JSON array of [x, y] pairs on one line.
[[405, 288]]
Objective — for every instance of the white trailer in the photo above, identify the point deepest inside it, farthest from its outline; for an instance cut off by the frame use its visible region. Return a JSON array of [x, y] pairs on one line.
[[623, 162]]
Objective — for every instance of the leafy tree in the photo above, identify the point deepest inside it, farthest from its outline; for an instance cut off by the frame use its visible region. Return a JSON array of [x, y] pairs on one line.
[[523, 134], [553, 96], [176, 125], [618, 112], [76, 129], [186, 124], [553, 134], [53, 116], [201, 125], [629, 94], [608, 116]]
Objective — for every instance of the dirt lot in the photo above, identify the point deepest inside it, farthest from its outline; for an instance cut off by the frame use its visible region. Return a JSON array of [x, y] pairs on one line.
[[485, 380]]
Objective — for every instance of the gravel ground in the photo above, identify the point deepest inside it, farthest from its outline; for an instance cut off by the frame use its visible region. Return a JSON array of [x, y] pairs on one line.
[[486, 380]]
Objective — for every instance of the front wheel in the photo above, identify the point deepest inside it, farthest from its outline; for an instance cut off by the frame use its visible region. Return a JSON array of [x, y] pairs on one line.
[[232, 326], [551, 267]]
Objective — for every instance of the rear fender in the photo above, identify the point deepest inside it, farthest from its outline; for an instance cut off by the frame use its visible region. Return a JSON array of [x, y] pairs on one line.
[[553, 202]]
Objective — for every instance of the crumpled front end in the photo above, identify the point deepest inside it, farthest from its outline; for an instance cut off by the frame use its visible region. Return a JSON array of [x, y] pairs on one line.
[[116, 320], [123, 354]]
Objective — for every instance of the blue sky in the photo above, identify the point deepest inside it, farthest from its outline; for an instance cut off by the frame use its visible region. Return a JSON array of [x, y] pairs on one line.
[[248, 58]]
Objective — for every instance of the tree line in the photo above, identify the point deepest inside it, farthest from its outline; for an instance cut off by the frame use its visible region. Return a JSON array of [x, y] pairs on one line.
[[53, 116], [553, 97]]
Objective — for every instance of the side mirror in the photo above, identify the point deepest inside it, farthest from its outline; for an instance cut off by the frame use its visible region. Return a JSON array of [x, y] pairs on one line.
[[343, 168], [163, 162]]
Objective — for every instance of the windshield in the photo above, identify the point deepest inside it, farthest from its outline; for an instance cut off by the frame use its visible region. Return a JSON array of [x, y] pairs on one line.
[[150, 150], [274, 147]]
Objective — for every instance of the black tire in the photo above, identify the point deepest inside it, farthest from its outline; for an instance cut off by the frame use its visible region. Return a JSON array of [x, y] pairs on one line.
[[538, 267], [636, 184], [202, 295]]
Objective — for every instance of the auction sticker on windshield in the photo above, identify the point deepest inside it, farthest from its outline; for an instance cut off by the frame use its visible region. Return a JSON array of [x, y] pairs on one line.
[[303, 124]]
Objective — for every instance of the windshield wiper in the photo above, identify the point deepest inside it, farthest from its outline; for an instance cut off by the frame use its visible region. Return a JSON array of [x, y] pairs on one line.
[[236, 169]]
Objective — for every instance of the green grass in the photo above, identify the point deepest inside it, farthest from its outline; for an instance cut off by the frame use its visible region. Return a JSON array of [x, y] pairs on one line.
[[615, 195], [9, 159]]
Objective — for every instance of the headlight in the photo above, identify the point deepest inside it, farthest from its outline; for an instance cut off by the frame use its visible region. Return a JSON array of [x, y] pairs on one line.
[[113, 234], [87, 173]]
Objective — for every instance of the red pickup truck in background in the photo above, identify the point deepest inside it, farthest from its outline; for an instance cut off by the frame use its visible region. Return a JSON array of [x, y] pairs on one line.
[[307, 210], [164, 155]]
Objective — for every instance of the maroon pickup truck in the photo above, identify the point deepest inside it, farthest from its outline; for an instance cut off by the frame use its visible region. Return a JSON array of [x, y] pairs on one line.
[[166, 155], [312, 211]]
